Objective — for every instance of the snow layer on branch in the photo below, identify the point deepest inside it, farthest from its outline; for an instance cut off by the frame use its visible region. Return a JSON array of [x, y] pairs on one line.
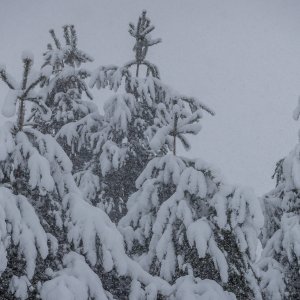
[[150, 88], [58, 161], [89, 229], [25, 153], [246, 219], [52, 151], [36, 154], [188, 287], [169, 169], [29, 92], [78, 134], [176, 117], [59, 54], [272, 279], [76, 281], [20, 226], [198, 232], [71, 74], [69, 104], [160, 137], [18, 286], [192, 181], [288, 172], [120, 110], [279, 263], [182, 200], [38, 165], [291, 169], [284, 197], [112, 157], [110, 76], [7, 141], [88, 183], [285, 243], [86, 224]]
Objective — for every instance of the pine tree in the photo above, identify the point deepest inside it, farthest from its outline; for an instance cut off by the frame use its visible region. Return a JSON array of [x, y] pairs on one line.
[[280, 265]]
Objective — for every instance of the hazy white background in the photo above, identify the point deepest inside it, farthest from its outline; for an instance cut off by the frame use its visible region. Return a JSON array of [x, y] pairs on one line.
[[240, 57]]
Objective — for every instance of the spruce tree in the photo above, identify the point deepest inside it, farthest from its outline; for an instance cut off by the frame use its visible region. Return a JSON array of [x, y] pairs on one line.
[[28, 160], [74, 116], [121, 146], [67, 95], [62, 163], [280, 267], [54, 244], [183, 218]]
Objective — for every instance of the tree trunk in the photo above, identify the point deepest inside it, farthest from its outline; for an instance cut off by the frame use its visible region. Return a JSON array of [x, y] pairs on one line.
[[21, 114], [174, 134]]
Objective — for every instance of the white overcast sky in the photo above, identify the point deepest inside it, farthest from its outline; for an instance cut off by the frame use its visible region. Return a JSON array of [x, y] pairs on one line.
[[242, 58]]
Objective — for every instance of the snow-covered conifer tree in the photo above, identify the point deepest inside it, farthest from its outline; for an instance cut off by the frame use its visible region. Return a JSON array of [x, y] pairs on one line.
[[280, 265], [53, 243], [184, 219], [74, 116], [67, 95], [27, 161], [122, 146], [183, 223]]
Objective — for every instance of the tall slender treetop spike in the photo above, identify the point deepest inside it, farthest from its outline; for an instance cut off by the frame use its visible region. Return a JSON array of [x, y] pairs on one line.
[[27, 56], [141, 33], [73, 36], [56, 41], [66, 34], [66, 52]]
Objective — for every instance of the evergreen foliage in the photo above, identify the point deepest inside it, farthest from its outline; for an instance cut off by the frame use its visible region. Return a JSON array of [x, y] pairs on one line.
[[279, 265], [184, 219], [124, 150], [53, 242], [103, 206]]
